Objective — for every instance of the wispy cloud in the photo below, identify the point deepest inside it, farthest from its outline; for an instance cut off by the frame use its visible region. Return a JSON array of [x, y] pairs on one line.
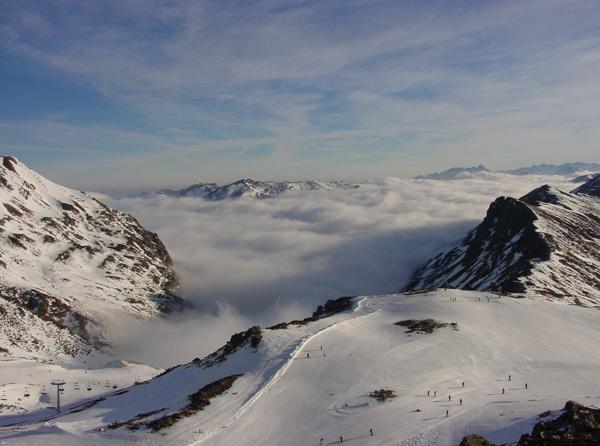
[[388, 85]]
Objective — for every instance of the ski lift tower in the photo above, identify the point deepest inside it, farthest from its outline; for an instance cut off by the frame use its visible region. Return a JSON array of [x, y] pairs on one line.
[[58, 384]]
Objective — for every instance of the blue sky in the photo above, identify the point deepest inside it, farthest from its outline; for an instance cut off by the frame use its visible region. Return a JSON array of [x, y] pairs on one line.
[[133, 94]]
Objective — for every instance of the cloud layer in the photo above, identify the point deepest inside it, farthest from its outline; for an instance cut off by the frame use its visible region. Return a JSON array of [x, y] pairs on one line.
[[262, 261]]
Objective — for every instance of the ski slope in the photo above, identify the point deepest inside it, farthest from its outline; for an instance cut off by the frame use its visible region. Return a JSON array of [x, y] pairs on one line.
[[287, 398]]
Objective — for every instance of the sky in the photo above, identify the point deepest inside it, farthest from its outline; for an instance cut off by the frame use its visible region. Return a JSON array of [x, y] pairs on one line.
[[133, 95]]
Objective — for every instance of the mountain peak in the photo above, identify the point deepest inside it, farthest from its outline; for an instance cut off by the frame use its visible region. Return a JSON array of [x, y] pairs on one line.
[[453, 173], [590, 187], [546, 242]]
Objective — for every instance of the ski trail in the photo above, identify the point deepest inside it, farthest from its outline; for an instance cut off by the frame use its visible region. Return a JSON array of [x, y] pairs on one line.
[[292, 353]]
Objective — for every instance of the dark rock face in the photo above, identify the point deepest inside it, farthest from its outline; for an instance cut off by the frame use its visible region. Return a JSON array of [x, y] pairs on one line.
[[578, 425], [475, 440], [590, 187], [485, 257], [331, 307], [251, 337], [547, 241]]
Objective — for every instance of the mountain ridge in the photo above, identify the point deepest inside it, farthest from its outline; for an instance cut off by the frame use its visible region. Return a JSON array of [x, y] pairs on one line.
[[547, 241], [69, 262]]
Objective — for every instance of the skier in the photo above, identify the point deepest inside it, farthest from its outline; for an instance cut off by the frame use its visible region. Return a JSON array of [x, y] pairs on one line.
[[502, 390], [435, 393], [525, 386], [341, 439], [463, 384], [371, 431], [509, 377], [321, 348], [446, 412], [308, 355], [449, 398], [460, 401], [321, 442], [428, 392]]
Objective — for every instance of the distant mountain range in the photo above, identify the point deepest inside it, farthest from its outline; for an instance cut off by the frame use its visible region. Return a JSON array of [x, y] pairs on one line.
[[547, 242], [539, 169], [247, 188]]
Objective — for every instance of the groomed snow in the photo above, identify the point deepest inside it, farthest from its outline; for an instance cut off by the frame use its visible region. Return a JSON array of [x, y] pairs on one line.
[[286, 398]]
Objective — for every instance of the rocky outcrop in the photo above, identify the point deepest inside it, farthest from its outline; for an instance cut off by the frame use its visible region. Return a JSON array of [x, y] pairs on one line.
[[577, 425], [547, 242]]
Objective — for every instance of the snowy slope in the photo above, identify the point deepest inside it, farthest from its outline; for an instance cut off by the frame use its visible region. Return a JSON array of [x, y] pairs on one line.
[[546, 242], [287, 398], [69, 264], [248, 188]]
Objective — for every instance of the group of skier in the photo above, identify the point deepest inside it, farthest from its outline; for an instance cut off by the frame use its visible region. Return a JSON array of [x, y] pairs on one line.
[[371, 432]]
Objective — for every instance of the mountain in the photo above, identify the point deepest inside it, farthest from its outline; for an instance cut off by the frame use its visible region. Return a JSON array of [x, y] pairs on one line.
[[200, 190], [69, 264], [555, 169], [547, 242], [248, 188], [585, 177], [539, 169], [453, 173], [368, 366], [590, 187]]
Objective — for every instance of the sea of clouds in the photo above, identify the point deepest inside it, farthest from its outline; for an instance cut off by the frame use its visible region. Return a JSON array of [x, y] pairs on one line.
[[244, 262]]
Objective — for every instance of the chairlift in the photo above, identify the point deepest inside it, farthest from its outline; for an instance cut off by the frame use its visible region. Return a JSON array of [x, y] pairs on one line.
[[3, 397], [114, 386], [77, 386], [89, 387]]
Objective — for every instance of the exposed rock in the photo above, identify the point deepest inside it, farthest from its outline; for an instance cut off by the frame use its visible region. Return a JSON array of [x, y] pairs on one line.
[[548, 242], [83, 261]]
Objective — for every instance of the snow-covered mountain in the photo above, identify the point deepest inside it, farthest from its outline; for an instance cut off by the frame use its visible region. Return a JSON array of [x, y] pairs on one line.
[[584, 178], [539, 169], [555, 169], [470, 363], [453, 173], [546, 242], [248, 188], [69, 264]]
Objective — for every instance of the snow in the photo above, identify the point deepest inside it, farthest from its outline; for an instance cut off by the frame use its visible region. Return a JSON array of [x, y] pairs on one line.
[[84, 256], [248, 188], [285, 398]]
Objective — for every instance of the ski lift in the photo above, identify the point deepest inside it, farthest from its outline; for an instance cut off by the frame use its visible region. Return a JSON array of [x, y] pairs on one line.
[[114, 386], [89, 387], [77, 386]]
